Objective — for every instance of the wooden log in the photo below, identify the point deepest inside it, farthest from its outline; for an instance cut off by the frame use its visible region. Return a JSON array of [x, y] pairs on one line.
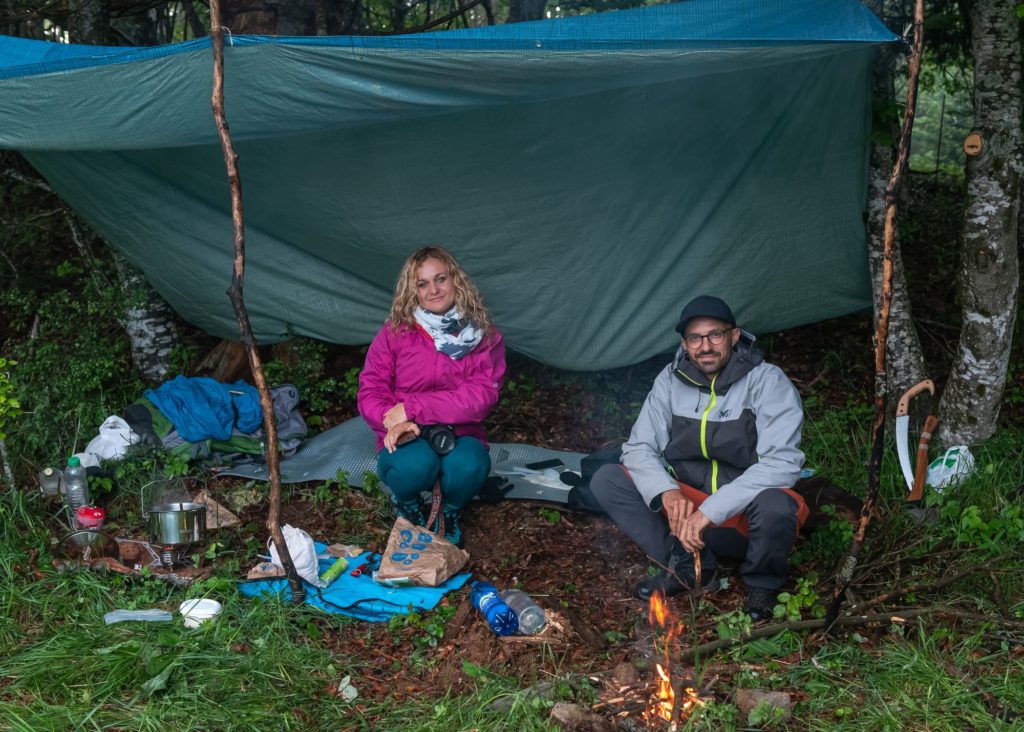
[[227, 362]]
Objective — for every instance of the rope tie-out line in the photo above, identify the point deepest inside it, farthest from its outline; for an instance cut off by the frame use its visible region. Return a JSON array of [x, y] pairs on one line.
[[231, 38]]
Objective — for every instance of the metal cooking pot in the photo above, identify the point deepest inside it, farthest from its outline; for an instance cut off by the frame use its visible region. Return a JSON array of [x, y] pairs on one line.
[[177, 524]]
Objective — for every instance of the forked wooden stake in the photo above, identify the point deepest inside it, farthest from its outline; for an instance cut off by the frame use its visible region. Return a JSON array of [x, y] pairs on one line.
[[241, 314]]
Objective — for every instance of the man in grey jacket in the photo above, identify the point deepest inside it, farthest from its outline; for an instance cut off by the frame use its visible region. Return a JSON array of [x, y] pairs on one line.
[[727, 425]]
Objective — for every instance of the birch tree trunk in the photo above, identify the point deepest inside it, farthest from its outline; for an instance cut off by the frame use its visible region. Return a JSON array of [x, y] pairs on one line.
[[904, 361], [149, 323], [989, 274]]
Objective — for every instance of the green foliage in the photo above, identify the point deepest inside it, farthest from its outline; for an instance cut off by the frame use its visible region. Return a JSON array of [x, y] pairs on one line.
[[350, 384], [992, 533], [826, 544], [714, 716], [765, 714], [791, 605], [521, 386], [304, 368], [10, 407], [736, 624], [550, 515], [75, 372], [429, 626], [983, 513]]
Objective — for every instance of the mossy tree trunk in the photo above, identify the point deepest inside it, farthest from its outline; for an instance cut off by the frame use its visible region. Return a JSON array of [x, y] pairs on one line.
[[989, 274]]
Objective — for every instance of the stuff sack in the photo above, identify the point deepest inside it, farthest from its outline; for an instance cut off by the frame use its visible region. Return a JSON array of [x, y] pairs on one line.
[[415, 556], [303, 551], [951, 467]]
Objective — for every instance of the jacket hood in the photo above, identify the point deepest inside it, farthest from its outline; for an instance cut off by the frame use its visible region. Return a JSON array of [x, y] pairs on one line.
[[744, 358]]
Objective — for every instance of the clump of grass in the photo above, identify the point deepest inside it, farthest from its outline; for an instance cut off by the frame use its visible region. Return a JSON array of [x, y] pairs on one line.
[[920, 682]]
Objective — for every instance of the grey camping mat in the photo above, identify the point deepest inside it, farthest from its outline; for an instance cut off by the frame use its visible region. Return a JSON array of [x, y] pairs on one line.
[[352, 447]]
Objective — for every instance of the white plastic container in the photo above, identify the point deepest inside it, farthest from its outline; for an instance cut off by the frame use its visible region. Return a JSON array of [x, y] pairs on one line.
[[197, 612]]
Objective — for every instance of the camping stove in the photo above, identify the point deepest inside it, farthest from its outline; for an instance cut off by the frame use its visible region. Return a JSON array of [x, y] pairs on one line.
[[170, 556]]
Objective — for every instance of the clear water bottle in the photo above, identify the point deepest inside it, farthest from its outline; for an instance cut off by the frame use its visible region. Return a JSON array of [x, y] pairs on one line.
[[76, 485], [530, 614], [500, 617]]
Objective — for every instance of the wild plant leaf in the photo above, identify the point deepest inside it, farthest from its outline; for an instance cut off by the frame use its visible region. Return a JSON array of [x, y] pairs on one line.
[[159, 681]]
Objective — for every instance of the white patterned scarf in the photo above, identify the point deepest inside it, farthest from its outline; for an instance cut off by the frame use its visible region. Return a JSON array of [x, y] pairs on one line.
[[452, 335]]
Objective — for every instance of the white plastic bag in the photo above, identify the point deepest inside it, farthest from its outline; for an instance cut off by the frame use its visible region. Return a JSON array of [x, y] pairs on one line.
[[114, 438], [951, 467], [303, 551]]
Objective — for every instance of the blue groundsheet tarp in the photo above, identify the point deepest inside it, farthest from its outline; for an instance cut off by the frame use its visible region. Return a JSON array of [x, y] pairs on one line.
[[358, 597], [591, 173]]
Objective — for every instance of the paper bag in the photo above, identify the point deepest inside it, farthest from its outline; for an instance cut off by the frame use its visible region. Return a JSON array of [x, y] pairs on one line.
[[416, 556]]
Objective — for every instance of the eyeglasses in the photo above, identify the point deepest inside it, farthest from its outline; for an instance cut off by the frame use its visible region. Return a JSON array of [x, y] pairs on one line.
[[715, 338]]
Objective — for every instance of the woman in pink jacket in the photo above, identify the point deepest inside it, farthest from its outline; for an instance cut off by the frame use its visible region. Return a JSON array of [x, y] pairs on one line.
[[437, 363]]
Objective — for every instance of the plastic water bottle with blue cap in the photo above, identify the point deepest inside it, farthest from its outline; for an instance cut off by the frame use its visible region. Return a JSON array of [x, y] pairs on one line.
[[500, 616]]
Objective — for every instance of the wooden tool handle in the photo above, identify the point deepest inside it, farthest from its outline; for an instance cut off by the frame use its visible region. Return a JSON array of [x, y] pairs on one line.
[[921, 468], [903, 407]]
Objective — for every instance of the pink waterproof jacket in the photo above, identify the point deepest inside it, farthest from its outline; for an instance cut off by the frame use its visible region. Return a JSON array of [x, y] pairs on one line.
[[436, 389]]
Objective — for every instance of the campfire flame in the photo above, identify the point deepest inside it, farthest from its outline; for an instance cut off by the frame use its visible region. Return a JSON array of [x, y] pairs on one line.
[[665, 706]]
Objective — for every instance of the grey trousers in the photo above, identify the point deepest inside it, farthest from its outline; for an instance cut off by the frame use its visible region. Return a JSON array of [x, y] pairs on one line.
[[764, 552]]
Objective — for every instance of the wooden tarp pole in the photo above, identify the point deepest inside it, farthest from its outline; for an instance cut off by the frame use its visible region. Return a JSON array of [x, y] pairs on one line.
[[241, 314], [846, 569]]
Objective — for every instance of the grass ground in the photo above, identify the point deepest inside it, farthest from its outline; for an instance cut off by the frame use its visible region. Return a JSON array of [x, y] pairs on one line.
[[268, 666]]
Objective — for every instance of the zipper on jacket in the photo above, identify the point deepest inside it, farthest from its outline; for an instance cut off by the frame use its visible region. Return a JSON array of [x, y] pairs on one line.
[[703, 437], [684, 375]]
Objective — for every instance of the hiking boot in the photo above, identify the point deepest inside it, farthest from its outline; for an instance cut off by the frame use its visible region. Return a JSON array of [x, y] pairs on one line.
[[412, 511], [452, 530], [670, 585], [760, 603]]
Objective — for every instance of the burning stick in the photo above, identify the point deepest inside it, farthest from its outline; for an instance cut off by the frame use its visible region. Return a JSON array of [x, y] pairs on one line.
[[674, 699]]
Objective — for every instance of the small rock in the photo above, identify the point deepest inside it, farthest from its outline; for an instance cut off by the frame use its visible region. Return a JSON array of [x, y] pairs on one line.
[[748, 699], [574, 718], [625, 674]]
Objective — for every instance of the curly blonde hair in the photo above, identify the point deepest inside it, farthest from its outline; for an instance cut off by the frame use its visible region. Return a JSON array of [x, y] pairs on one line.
[[468, 300]]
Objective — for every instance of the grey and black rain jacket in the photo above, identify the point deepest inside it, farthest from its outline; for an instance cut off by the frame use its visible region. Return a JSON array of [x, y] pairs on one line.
[[732, 437]]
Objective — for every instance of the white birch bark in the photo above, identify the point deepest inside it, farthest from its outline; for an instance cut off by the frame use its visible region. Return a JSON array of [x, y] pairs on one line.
[[989, 275], [149, 323], [903, 358]]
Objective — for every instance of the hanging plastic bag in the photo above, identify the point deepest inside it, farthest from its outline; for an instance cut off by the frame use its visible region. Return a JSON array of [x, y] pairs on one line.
[[303, 551], [951, 467]]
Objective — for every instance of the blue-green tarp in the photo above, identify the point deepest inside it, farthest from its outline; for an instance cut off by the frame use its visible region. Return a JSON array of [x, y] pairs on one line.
[[591, 173]]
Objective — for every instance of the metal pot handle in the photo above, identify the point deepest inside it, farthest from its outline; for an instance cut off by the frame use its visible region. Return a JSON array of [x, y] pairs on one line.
[[142, 497]]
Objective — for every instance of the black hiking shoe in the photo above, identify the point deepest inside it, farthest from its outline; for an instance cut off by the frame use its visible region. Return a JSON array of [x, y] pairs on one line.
[[670, 585], [412, 511], [452, 530], [760, 602]]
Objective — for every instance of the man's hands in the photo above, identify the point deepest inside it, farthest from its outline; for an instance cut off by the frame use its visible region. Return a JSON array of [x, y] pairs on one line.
[[395, 415], [396, 432], [685, 521]]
